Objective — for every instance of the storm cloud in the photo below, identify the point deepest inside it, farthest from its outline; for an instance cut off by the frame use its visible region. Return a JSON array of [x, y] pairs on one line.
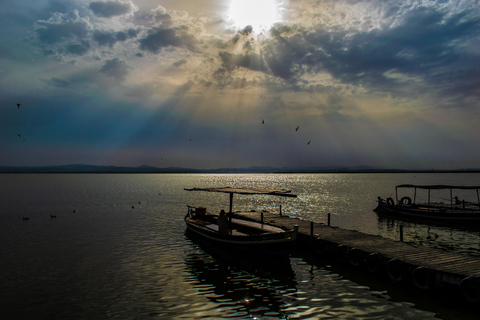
[[108, 9], [115, 68]]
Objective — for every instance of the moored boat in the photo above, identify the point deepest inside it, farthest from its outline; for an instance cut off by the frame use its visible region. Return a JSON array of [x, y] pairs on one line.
[[238, 234], [449, 210]]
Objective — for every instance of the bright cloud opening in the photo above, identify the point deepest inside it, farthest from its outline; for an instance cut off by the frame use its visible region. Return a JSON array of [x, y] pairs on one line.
[[261, 15]]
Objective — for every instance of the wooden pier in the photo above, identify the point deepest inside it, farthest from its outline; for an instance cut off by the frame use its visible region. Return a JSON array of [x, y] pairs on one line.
[[427, 268]]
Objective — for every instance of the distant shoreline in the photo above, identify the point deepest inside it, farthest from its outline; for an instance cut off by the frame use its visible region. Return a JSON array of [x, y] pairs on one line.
[[81, 168]]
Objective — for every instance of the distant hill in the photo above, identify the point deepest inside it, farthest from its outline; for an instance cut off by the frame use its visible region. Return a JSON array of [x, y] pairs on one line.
[[84, 168]]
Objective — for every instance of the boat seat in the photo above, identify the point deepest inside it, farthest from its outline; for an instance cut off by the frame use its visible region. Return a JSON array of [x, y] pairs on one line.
[[232, 232]]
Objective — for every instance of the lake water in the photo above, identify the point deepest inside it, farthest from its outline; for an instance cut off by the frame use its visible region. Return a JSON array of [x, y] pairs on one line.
[[117, 249]]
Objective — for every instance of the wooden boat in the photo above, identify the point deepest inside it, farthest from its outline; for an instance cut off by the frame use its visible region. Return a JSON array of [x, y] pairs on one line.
[[452, 211], [239, 234]]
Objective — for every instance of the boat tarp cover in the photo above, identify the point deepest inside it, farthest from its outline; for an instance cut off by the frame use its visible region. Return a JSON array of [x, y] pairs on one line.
[[245, 190], [438, 186]]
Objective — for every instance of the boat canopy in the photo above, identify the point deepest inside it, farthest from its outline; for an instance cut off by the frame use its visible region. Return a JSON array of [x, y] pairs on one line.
[[438, 186], [245, 190]]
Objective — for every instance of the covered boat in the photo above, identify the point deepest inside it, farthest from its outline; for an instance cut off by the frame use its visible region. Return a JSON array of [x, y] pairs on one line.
[[452, 208], [233, 233]]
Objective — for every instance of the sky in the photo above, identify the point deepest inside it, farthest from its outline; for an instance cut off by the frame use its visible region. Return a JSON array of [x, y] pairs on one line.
[[240, 83]]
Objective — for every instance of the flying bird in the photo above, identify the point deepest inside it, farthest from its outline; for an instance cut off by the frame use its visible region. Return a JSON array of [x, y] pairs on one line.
[[18, 105], [297, 129], [263, 121], [309, 142], [18, 134]]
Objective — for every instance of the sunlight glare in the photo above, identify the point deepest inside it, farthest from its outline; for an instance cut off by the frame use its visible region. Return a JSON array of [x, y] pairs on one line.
[[260, 14]]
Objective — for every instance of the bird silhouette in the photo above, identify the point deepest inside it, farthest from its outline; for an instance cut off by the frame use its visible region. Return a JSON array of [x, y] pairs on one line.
[[297, 129], [18, 134], [263, 121], [18, 105], [309, 142]]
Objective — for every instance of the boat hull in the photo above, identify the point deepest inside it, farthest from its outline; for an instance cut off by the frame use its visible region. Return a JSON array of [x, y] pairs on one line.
[[268, 243]]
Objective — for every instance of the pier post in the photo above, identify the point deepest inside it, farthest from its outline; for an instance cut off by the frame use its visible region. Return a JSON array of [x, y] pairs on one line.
[[401, 232], [328, 219], [280, 210], [261, 217]]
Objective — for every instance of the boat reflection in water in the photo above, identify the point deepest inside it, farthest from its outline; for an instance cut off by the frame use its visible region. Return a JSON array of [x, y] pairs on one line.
[[241, 285]]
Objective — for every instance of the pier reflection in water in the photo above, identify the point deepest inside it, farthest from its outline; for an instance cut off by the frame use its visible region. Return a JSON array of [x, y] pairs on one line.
[[459, 239], [283, 288]]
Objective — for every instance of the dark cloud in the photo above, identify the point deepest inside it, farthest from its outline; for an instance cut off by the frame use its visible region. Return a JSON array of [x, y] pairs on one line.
[[246, 31], [105, 38], [252, 61], [115, 68], [159, 38], [161, 16], [78, 48], [427, 45], [283, 53], [109, 38], [60, 83], [110, 9], [121, 36], [61, 27], [180, 63]]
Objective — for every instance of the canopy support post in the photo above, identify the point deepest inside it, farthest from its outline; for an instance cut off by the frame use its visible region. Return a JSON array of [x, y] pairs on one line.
[[396, 195], [428, 200], [478, 198], [451, 199], [230, 211]]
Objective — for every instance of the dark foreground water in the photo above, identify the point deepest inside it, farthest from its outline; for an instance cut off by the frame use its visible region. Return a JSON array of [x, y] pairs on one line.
[[117, 249]]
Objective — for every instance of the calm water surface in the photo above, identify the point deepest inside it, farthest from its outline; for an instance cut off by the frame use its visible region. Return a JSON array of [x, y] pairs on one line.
[[117, 249]]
